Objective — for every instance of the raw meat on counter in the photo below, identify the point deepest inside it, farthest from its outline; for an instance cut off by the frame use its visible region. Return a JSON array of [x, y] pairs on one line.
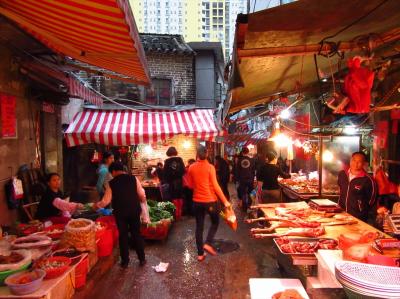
[[291, 246], [287, 294], [298, 232]]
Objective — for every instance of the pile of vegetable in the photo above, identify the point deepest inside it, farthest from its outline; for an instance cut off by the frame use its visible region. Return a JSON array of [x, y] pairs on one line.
[[160, 210]]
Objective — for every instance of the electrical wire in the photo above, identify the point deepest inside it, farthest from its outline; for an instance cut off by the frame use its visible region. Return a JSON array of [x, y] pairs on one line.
[[355, 21], [94, 90]]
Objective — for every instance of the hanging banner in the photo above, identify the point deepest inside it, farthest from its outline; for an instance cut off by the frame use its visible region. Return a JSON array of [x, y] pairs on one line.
[[8, 116]]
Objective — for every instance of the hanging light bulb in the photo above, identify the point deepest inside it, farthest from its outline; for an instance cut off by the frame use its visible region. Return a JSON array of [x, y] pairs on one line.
[[327, 156], [285, 114]]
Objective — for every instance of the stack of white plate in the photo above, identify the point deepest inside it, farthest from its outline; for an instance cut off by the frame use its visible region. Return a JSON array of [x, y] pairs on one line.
[[369, 280]]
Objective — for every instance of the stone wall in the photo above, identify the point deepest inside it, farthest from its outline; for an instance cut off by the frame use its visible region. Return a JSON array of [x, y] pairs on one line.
[[19, 151]]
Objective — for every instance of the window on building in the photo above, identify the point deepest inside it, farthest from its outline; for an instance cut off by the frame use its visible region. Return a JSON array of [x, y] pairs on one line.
[[207, 5], [220, 20], [215, 20], [215, 5], [220, 12], [220, 5], [215, 12], [160, 93]]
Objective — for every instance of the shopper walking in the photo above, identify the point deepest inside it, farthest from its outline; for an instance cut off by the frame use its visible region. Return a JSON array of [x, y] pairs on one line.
[[245, 173], [206, 191], [174, 169], [126, 193]]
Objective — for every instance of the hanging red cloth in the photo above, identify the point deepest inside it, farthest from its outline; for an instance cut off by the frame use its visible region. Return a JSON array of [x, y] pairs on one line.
[[384, 185], [381, 131], [358, 85]]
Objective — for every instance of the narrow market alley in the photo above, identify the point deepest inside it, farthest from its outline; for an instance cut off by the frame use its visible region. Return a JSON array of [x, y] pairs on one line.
[[224, 276]]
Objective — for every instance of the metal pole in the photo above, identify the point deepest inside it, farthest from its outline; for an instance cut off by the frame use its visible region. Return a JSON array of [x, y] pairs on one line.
[[320, 140]]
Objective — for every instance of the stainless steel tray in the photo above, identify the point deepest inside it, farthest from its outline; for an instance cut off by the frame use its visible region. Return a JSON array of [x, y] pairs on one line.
[[300, 239]]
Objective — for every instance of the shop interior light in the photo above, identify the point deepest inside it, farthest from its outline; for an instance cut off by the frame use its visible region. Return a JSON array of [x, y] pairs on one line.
[[350, 130], [186, 144], [281, 140], [327, 156], [250, 146], [148, 149], [285, 114]]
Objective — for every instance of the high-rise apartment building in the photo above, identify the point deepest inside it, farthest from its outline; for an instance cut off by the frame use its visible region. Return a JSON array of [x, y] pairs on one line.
[[195, 20]]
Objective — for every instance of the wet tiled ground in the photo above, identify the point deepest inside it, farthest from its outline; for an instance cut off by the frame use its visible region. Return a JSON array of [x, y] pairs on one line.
[[222, 276]]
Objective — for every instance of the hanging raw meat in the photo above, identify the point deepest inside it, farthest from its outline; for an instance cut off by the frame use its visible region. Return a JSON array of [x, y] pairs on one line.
[[358, 85]]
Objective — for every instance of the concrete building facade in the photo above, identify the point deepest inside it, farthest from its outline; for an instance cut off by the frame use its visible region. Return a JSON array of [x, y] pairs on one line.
[[195, 20]]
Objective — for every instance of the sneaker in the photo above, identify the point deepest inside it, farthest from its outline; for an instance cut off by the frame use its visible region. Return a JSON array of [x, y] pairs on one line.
[[209, 249], [201, 258]]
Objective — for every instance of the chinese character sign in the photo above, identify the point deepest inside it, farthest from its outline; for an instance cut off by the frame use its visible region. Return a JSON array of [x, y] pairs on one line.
[[8, 116]]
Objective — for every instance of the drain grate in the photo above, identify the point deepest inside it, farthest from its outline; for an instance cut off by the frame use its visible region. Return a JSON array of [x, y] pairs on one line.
[[225, 246]]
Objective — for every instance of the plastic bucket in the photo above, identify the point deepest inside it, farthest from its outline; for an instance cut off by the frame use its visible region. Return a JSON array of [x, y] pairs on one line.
[[81, 271], [110, 221], [106, 243]]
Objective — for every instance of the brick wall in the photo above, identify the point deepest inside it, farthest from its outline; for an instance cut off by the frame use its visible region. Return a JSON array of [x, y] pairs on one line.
[[178, 68]]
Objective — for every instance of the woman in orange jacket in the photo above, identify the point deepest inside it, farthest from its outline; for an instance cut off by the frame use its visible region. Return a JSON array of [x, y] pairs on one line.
[[202, 179]]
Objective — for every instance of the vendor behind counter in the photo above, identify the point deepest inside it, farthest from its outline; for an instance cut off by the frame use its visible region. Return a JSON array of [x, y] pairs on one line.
[[53, 205], [357, 189]]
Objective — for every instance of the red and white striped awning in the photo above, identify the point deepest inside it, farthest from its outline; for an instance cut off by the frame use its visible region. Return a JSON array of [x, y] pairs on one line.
[[127, 127], [76, 89]]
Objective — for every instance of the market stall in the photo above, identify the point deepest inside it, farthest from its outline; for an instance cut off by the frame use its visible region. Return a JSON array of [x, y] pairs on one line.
[[310, 238], [145, 135]]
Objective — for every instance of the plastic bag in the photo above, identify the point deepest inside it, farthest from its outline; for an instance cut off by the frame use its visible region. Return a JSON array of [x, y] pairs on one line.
[[230, 218], [144, 215]]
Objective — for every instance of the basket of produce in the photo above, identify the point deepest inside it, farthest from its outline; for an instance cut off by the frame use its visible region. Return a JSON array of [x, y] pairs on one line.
[[156, 230], [13, 262], [54, 266], [79, 234], [26, 229], [55, 231], [161, 216], [31, 242], [26, 282]]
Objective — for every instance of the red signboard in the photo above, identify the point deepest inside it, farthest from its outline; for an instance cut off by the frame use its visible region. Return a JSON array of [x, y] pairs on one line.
[[8, 116]]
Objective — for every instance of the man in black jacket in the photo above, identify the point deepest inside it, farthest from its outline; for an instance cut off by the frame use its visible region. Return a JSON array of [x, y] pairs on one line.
[[126, 193], [357, 188], [244, 174]]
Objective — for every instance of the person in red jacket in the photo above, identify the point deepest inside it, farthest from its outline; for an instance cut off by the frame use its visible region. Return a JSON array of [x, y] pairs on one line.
[[202, 179]]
